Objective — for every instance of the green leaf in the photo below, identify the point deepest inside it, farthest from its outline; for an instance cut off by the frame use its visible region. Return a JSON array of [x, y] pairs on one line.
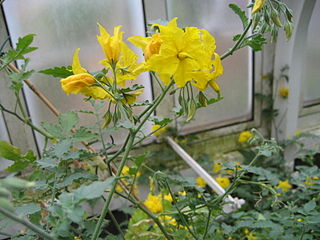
[[9, 152], [27, 209], [79, 175], [68, 120], [62, 147], [60, 72], [83, 134], [242, 14], [48, 163], [93, 190], [53, 130], [255, 43], [309, 206], [22, 47], [17, 78]]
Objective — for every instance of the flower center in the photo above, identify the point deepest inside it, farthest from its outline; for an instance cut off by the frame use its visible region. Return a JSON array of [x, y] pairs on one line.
[[183, 55]]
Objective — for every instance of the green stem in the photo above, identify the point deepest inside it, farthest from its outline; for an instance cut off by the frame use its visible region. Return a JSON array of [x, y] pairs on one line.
[[108, 200], [180, 214], [115, 222], [26, 223], [26, 121], [238, 43], [154, 106]]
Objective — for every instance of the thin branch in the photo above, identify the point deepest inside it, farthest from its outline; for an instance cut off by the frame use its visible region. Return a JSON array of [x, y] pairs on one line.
[[26, 223]]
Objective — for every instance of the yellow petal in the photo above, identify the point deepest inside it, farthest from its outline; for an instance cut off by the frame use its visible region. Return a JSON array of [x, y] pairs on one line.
[[258, 4], [76, 66]]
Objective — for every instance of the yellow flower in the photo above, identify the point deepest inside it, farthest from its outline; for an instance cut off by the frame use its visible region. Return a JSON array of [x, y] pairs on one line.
[[217, 167], [125, 172], [201, 182], [258, 4], [183, 193], [224, 182], [300, 220], [310, 182], [284, 185], [127, 67], [119, 189], [77, 238], [284, 92], [81, 81], [167, 197], [154, 203], [111, 45], [150, 45], [158, 129], [184, 54], [245, 136]]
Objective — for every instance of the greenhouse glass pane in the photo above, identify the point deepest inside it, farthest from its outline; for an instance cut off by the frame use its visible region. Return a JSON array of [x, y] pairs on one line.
[[311, 75], [236, 82], [61, 27]]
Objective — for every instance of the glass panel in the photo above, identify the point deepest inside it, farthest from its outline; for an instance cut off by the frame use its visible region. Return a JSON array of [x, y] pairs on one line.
[[61, 27], [236, 83], [311, 75]]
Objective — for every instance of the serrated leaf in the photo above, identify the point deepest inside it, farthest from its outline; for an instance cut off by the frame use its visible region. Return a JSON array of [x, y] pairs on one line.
[[242, 14], [54, 130], [68, 120], [83, 134], [60, 72], [62, 147], [79, 175], [93, 190], [48, 162], [27, 209]]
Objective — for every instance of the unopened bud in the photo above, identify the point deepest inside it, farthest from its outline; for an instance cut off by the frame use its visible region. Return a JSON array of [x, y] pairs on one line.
[[192, 107], [107, 119], [275, 18], [202, 99], [288, 29]]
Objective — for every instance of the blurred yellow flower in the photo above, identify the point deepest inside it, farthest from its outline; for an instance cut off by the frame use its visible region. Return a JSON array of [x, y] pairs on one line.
[[284, 186], [119, 189], [125, 172], [81, 81], [224, 182], [77, 238], [258, 4], [154, 203], [111, 45], [201, 182], [167, 197], [183, 193], [284, 92], [300, 220], [244, 136], [158, 129], [217, 166], [310, 182]]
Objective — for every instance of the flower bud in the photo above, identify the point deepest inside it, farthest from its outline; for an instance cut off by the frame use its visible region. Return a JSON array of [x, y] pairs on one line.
[[288, 29], [275, 18], [107, 119], [202, 99], [191, 110]]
